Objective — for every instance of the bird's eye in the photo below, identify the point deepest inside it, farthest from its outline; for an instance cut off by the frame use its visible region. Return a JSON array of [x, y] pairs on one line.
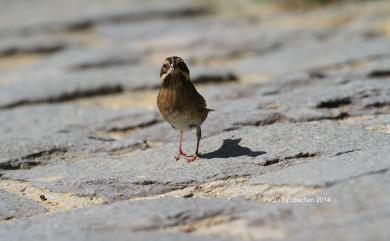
[[164, 69], [183, 66]]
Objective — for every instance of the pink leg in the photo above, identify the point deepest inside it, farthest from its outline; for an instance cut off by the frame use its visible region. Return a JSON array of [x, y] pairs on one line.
[[181, 152], [196, 155]]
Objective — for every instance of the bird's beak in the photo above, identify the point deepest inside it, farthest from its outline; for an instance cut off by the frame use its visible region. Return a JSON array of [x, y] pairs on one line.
[[173, 64]]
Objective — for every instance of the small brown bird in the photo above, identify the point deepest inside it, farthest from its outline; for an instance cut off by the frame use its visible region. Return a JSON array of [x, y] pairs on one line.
[[179, 102]]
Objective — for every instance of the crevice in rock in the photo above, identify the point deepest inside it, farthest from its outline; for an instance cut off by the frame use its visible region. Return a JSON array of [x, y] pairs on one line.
[[216, 79], [125, 149], [300, 155], [180, 219], [268, 120], [335, 103], [8, 218], [19, 164], [107, 63], [49, 49], [77, 94], [145, 182], [380, 74], [345, 152], [233, 128], [273, 118], [82, 25], [236, 53], [340, 116], [271, 92], [183, 12], [103, 139], [280, 118], [31, 160], [87, 23], [230, 177], [381, 171], [134, 127], [272, 161], [377, 105], [245, 51], [351, 63], [317, 74]]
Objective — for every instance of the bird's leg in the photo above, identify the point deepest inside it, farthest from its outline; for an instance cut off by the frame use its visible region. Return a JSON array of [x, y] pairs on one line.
[[198, 136], [181, 152]]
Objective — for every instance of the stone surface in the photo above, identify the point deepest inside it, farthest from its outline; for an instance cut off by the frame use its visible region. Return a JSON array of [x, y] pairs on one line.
[[297, 148], [328, 171], [12, 206], [243, 152]]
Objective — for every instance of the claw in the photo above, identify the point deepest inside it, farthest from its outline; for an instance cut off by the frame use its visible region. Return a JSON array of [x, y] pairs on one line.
[[192, 158], [181, 153]]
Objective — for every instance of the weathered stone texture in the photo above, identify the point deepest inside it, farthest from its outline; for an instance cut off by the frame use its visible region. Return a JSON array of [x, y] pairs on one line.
[[297, 149]]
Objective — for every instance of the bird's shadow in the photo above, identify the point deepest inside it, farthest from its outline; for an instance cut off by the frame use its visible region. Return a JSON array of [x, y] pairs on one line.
[[232, 148]]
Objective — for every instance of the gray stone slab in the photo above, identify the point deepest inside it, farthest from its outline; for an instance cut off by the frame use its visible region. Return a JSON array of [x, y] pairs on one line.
[[261, 105], [313, 117], [248, 151], [304, 56], [57, 86], [329, 170], [351, 212], [118, 221], [34, 44], [26, 152], [34, 121], [348, 215], [44, 133], [12, 206], [378, 123], [81, 15]]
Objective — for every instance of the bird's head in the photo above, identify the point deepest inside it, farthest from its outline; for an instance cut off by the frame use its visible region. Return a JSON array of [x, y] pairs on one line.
[[174, 67]]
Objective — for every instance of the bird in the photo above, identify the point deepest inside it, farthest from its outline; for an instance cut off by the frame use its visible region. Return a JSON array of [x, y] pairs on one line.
[[180, 104]]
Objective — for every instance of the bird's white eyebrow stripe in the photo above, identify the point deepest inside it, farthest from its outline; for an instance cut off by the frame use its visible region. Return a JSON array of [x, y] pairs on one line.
[[186, 75], [163, 76]]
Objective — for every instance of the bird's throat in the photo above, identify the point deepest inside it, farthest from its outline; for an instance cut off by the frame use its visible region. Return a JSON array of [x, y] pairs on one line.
[[173, 81]]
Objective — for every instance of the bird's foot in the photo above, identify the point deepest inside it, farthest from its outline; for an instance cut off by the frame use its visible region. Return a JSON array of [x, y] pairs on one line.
[[192, 158], [181, 153]]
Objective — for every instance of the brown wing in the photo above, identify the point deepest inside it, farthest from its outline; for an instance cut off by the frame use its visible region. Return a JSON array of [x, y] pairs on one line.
[[193, 96]]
